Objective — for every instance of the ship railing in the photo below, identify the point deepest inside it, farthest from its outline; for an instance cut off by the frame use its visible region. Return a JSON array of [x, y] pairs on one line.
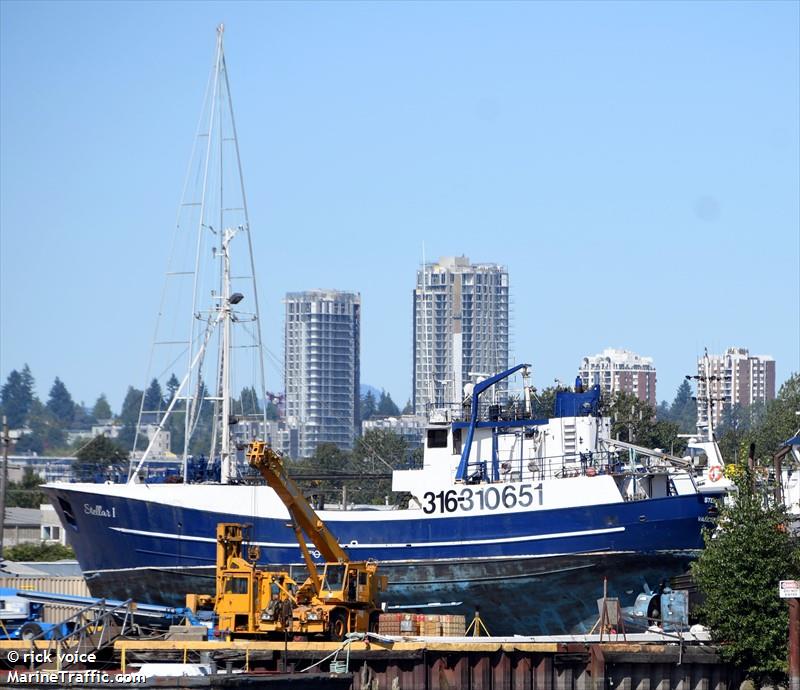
[[589, 464]]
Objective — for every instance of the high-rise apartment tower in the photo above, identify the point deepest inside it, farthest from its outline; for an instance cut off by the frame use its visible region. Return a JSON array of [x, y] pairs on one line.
[[321, 360], [620, 370], [735, 378], [460, 329]]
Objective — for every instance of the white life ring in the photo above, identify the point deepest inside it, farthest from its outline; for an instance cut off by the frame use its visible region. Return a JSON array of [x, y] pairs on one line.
[[715, 473]]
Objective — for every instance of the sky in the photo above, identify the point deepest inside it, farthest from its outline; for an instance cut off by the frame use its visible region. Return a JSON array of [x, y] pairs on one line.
[[636, 166]]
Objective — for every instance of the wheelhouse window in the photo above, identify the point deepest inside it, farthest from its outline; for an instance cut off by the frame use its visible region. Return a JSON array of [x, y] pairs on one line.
[[437, 438]]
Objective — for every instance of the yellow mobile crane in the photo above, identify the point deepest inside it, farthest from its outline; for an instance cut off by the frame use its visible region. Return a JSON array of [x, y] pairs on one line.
[[253, 601]]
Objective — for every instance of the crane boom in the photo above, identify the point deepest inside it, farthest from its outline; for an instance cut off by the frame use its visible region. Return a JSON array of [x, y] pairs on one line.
[[264, 459]]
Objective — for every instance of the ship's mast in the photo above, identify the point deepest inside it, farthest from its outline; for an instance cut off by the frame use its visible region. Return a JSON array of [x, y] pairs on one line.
[[227, 469], [216, 143]]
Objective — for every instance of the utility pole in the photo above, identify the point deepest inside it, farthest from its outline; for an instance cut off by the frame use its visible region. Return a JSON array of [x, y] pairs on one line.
[[794, 644], [6, 440], [790, 590]]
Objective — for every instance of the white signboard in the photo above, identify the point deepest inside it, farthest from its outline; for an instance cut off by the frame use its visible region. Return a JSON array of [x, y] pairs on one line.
[[789, 589]]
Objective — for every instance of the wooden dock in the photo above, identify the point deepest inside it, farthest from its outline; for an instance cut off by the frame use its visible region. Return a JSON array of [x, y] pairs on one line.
[[438, 663]]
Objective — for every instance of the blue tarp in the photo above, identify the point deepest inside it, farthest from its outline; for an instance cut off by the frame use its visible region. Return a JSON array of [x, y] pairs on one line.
[[793, 441]]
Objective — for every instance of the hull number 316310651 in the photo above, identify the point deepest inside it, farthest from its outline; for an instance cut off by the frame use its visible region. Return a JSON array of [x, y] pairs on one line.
[[485, 498]]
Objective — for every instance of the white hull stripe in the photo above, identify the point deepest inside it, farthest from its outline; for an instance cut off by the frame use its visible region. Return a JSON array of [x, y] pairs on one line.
[[354, 545]]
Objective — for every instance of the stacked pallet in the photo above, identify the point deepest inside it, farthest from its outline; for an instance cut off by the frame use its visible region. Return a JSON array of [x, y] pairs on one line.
[[443, 626], [413, 624], [399, 624]]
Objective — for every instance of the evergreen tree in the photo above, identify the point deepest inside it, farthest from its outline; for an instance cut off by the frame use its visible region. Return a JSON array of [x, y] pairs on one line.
[[684, 409], [129, 416], [203, 420], [153, 403], [82, 418], [47, 433], [16, 397], [172, 388], [663, 412], [386, 406], [750, 550], [248, 403], [102, 410], [409, 408], [733, 432], [60, 403], [778, 421], [368, 406], [27, 381]]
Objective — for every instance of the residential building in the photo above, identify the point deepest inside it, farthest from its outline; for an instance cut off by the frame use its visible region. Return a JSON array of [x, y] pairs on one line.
[[322, 367], [735, 378], [620, 370], [411, 428], [461, 330], [277, 433], [32, 526]]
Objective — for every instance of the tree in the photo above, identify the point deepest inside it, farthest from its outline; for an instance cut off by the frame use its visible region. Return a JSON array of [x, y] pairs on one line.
[[153, 403], [684, 409], [172, 388], [272, 411], [82, 418], [102, 410], [328, 457], [16, 397], [378, 450], [386, 406], [544, 403], [733, 432], [368, 407], [101, 450], [129, 416], [778, 421], [738, 572], [47, 433], [26, 493], [200, 442], [38, 552], [408, 408], [632, 420], [60, 403], [248, 403]]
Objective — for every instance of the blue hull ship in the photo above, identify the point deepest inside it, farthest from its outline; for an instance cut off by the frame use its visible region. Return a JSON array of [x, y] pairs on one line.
[[500, 517]]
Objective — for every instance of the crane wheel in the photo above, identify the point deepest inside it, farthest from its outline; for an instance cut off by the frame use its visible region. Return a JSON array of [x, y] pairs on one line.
[[338, 623], [29, 631]]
